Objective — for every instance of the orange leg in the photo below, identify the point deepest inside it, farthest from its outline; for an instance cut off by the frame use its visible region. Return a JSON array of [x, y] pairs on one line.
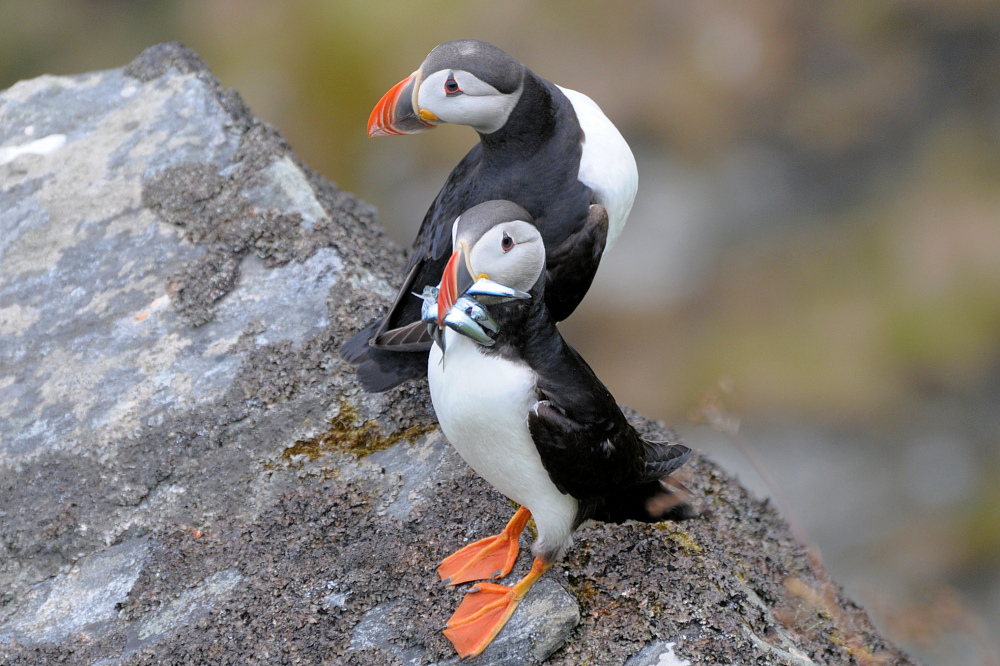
[[491, 557], [485, 609]]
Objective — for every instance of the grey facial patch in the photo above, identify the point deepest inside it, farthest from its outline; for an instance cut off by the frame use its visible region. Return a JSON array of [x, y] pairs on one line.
[[479, 58], [479, 219]]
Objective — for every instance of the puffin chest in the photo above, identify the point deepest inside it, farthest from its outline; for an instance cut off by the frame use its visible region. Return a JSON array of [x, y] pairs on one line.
[[482, 403]]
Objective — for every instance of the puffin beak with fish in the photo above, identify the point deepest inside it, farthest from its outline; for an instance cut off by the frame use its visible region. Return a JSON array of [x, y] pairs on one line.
[[547, 148], [528, 414]]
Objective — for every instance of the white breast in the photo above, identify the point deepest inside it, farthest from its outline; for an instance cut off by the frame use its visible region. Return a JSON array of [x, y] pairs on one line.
[[482, 404], [607, 165]]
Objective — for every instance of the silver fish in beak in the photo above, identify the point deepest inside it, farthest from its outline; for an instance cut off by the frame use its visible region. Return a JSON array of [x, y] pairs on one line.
[[456, 305], [466, 316], [487, 287], [477, 312], [429, 309], [458, 320]]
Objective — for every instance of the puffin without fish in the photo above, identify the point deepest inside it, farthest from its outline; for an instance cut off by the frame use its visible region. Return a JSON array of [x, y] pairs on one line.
[[547, 148], [528, 414]]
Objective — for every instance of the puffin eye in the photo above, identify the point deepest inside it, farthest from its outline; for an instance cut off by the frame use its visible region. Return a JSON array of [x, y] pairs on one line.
[[507, 243], [451, 86]]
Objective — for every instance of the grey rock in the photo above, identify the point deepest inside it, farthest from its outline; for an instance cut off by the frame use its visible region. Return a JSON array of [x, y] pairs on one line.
[[373, 632], [539, 627], [85, 599], [414, 466], [185, 609], [660, 653], [190, 474], [106, 396], [336, 600]]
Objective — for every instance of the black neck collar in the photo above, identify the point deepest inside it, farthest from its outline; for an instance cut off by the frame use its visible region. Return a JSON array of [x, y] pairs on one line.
[[531, 124]]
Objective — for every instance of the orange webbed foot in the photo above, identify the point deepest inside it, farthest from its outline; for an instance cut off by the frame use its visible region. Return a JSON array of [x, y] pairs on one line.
[[492, 557], [485, 610]]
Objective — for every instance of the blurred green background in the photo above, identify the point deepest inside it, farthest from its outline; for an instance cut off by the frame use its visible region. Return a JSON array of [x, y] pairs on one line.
[[815, 246]]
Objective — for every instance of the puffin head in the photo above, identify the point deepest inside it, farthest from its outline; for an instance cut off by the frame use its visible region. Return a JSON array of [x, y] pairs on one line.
[[496, 240], [466, 82]]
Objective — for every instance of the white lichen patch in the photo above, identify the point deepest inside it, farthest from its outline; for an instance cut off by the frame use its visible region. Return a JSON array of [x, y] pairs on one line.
[[151, 362], [668, 658], [156, 366], [182, 383], [221, 346], [15, 319], [103, 302], [368, 281], [65, 378], [78, 383], [44, 146], [147, 147]]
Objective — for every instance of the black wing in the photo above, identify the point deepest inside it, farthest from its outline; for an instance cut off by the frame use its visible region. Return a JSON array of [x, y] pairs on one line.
[[432, 246], [539, 170], [375, 350], [433, 241], [570, 267], [591, 451]]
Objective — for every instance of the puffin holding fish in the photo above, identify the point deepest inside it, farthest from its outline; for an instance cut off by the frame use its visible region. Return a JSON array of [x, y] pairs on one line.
[[528, 414], [550, 149]]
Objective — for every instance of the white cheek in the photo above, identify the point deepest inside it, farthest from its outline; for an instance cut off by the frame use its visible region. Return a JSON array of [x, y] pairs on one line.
[[431, 93], [481, 107], [487, 259], [529, 266], [480, 113], [519, 269]]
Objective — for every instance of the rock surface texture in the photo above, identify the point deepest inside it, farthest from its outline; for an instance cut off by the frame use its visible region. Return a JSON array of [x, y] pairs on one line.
[[189, 473]]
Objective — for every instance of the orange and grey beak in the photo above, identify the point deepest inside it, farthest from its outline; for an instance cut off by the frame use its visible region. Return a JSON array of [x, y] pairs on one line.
[[455, 281], [397, 112]]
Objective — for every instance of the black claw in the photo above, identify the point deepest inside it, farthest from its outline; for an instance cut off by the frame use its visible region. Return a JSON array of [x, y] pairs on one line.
[[445, 583]]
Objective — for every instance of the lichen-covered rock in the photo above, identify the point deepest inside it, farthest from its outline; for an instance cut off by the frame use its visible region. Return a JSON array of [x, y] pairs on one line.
[[189, 473]]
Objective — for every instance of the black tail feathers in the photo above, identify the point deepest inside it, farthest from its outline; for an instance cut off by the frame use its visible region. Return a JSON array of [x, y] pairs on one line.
[[664, 458], [355, 350], [659, 497], [650, 502], [380, 370]]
